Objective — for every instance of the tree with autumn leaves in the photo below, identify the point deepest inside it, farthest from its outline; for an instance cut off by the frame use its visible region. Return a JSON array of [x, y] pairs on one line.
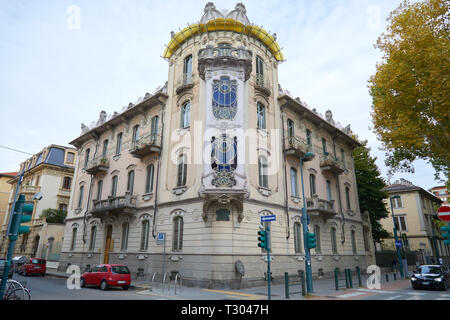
[[410, 89]]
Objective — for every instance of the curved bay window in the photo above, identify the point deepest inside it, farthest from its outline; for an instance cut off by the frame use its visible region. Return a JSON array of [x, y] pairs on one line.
[[224, 102]]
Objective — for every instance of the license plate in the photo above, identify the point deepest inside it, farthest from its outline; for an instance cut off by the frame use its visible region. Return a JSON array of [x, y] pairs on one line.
[[37, 267], [121, 282], [426, 282]]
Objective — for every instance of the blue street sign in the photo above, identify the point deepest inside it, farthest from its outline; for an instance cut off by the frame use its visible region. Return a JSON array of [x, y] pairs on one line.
[[161, 238], [268, 218], [398, 244]]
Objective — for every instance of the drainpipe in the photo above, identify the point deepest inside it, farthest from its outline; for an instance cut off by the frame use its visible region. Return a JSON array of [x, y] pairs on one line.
[[286, 200], [157, 176], [336, 176]]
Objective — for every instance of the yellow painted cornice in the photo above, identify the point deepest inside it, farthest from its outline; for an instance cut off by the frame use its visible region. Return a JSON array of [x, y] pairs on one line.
[[221, 24]]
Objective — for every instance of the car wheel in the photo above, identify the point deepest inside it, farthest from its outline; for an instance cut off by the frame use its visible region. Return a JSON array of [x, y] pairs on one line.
[[43, 274], [104, 285], [82, 283], [126, 287]]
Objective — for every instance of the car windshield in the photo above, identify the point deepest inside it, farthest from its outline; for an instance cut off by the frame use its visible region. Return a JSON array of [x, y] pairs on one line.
[[430, 270], [120, 270], [37, 261]]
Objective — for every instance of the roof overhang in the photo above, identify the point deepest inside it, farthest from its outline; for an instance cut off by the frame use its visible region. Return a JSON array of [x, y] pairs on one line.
[[221, 24]]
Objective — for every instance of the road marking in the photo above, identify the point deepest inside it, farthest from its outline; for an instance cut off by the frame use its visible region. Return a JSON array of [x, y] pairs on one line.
[[246, 295], [349, 295], [394, 297], [416, 297]]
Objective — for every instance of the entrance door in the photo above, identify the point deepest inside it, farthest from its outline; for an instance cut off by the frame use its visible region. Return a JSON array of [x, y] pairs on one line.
[[107, 244]]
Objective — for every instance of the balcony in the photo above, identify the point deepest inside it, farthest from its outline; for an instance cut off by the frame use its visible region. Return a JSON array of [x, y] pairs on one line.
[[148, 144], [97, 165], [28, 189], [126, 204], [295, 146], [331, 164], [225, 57], [262, 85], [184, 83], [321, 207]]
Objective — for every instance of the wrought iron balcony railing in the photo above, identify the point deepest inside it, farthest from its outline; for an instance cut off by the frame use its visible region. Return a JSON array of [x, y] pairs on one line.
[[148, 144], [185, 82], [317, 206], [114, 205], [296, 146], [262, 84]]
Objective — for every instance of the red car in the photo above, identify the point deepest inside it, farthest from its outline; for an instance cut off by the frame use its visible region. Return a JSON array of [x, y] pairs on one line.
[[34, 266], [107, 275]]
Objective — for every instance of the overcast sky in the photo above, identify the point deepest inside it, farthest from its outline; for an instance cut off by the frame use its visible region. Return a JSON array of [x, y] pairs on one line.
[[57, 71]]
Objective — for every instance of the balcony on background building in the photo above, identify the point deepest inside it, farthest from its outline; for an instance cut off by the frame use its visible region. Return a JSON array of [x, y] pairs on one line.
[[184, 82], [295, 146], [97, 165], [262, 85], [224, 56], [126, 204], [332, 164], [320, 207], [148, 144], [28, 189]]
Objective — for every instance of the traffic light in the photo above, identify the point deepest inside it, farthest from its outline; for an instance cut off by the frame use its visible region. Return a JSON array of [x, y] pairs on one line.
[[446, 234], [405, 239], [22, 214], [263, 241], [311, 240]]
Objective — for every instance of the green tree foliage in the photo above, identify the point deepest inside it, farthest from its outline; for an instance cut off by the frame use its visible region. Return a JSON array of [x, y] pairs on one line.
[[54, 215], [410, 89], [371, 191]]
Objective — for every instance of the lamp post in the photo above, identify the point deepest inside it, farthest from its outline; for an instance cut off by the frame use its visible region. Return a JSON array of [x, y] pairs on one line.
[[305, 221], [400, 264]]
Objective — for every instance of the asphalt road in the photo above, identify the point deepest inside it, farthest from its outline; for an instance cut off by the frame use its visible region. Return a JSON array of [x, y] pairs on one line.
[[53, 288]]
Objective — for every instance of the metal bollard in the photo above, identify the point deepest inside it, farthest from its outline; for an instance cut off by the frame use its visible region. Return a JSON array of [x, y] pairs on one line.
[[336, 278], [395, 276], [286, 285], [302, 279], [350, 277], [387, 277], [358, 272]]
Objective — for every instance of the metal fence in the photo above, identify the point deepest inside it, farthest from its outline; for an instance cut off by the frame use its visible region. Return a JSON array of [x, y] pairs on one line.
[[385, 258]]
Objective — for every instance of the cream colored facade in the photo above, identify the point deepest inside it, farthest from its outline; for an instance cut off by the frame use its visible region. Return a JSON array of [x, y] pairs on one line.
[[414, 213], [210, 209], [5, 193], [49, 172]]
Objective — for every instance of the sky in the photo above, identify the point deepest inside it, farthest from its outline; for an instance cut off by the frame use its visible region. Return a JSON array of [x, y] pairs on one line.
[[62, 62]]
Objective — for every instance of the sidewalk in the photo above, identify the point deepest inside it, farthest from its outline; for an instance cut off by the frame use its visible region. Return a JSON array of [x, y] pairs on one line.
[[324, 288]]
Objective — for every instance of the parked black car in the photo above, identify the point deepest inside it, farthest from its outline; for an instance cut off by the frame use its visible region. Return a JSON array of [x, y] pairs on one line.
[[2, 268], [432, 277]]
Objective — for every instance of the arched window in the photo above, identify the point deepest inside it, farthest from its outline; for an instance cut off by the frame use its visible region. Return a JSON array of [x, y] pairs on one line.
[[329, 194], [312, 185], [185, 115], [130, 182], [308, 137], [261, 116], [324, 147], [224, 98], [317, 233], [259, 71], [294, 186], [135, 136], [187, 70], [182, 170], [353, 235], [125, 231], [333, 240], [93, 236], [149, 180], [114, 186], [224, 153], [347, 198], [144, 235], [262, 170], [74, 239], [297, 237], [177, 241], [119, 143], [80, 197], [86, 158], [291, 133]]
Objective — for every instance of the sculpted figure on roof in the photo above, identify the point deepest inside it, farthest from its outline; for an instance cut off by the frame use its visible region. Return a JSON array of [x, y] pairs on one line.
[[211, 13], [239, 14]]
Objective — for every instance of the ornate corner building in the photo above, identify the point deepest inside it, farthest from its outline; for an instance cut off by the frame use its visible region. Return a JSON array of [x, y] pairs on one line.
[[203, 158]]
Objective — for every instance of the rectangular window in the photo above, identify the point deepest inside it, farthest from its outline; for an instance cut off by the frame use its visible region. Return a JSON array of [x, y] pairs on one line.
[[329, 194], [353, 235], [187, 71], [80, 197], [149, 181], [343, 158], [297, 238], [177, 241], [67, 181], [312, 185], [99, 190], [92, 240], [397, 202], [333, 241], [294, 189], [70, 157], [317, 233], [74, 239], [105, 149], [119, 143], [135, 136], [125, 229], [144, 235], [308, 137], [400, 223], [324, 147], [114, 186], [347, 198], [86, 158]]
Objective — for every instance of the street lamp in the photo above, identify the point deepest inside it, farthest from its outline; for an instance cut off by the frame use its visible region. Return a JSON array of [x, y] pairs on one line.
[[305, 221], [395, 236]]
